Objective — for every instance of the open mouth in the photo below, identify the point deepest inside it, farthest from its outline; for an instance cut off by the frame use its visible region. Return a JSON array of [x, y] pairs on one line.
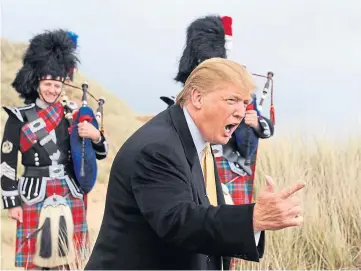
[[231, 127]]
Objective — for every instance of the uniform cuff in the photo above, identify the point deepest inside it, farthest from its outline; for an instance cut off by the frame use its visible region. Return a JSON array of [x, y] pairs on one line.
[[99, 141], [264, 129], [11, 201]]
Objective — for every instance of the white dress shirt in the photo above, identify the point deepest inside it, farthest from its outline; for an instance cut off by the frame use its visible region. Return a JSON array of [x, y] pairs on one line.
[[200, 143]]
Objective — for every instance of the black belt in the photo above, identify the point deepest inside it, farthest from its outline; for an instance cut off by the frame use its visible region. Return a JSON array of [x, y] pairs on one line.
[[56, 171]]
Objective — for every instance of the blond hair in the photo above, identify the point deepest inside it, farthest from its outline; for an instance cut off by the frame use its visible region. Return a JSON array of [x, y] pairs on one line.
[[214, 72]]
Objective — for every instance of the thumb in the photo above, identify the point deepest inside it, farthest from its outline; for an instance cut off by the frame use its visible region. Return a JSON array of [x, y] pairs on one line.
[[20, 216], [270, 184]]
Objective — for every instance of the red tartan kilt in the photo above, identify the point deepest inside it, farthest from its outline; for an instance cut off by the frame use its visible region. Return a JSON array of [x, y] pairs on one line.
[[24, 254], [241, 188]]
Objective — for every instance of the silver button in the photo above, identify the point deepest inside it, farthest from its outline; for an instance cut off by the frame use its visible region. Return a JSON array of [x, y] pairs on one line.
[[36, 154], [36, 158], [37, 164]]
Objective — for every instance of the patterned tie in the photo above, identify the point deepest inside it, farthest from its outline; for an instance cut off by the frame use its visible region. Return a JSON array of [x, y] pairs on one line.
[[208, 172]]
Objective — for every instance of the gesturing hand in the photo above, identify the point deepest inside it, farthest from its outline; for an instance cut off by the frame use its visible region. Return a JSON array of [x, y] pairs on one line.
[[274, 211]]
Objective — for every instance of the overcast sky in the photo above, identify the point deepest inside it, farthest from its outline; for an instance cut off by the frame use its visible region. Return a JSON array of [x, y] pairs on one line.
[[133, 47]]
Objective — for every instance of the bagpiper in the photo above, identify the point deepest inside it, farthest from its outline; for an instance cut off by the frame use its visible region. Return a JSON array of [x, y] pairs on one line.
[[46, 201], [207, 37]]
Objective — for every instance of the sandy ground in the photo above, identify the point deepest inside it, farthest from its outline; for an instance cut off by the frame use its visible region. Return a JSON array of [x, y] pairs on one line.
[[8, 227]]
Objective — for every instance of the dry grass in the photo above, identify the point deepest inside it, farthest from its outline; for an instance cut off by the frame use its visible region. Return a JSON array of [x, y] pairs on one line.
[[330, 237]]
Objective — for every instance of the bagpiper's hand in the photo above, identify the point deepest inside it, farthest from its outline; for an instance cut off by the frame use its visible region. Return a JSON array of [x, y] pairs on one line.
[[251, 119], [16, 213], [87, 130]]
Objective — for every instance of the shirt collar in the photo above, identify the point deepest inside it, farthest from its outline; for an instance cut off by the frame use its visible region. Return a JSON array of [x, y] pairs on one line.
[[41, 103], [198, 140]]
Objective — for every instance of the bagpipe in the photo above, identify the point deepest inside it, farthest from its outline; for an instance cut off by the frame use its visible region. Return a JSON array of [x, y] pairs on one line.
[[247, 139], [83, 155]]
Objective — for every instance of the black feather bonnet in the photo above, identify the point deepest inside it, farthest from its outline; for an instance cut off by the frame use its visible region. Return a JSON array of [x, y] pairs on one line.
[[206, 38], [50, 55]]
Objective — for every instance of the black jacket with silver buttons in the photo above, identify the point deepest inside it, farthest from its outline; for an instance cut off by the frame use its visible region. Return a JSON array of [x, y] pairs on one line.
[[36, 156]]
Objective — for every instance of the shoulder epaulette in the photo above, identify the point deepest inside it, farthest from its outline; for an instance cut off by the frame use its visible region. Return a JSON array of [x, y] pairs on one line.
[[16, 111]]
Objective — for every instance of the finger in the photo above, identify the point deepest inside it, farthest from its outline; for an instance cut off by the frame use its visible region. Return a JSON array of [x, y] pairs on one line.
[[250, 120], [294, 201], [296, 221], [287, 192], [20, 216], [294, 212], [270, 184]]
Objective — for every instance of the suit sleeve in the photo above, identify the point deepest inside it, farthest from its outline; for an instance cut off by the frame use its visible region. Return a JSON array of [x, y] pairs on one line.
[[164, 196], [9, 159], [101, 148]]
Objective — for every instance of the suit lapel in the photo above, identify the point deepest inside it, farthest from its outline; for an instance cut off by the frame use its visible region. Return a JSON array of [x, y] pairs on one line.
[[199, 183], [180, 124]]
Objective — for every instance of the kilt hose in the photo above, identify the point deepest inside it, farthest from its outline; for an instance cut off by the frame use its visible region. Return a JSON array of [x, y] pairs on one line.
[[240, 189], [24, 251]]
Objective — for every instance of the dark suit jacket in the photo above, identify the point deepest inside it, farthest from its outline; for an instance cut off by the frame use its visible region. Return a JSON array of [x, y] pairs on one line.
[[157, 214]]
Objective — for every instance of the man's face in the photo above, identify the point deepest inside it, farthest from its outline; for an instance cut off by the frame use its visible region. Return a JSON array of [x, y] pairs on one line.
[[50, 90], [220, 112]]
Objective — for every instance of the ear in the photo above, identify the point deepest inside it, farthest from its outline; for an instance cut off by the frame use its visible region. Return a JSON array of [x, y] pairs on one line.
[[196, 98]]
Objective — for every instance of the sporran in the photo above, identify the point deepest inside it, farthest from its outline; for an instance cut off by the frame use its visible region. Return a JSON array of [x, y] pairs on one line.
[[54, 242]]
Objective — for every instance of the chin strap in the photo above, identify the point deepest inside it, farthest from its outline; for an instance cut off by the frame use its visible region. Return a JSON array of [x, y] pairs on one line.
[[43, 98]]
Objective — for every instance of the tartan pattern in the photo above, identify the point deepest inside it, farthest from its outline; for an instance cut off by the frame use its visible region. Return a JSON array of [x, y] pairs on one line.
[[24, 254], [52, 116], [241, 189]]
